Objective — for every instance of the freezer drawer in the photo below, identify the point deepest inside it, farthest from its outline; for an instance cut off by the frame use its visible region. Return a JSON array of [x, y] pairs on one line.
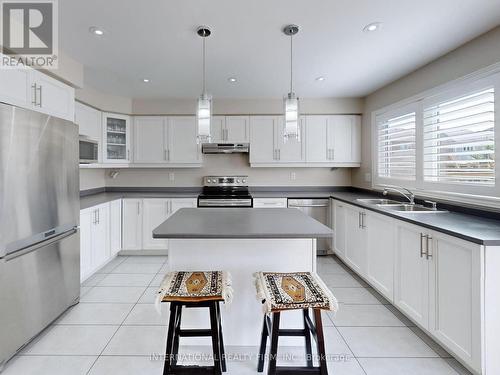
[[37, 285]]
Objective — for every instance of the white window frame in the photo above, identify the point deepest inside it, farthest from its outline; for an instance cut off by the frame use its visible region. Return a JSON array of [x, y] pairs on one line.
[[474, 194]]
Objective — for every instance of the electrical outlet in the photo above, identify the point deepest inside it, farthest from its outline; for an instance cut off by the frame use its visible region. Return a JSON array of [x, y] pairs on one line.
[[171, 176], [293, 176], [368, 177]]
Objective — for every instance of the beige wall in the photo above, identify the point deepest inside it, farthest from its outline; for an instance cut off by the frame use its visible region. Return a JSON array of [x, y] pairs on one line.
[[246, 106], [219, 164], [104, 102], [231, 165], [474, 55], [92, 178]]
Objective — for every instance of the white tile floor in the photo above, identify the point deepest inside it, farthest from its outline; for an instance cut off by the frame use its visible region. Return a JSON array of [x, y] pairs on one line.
[[115, 328]]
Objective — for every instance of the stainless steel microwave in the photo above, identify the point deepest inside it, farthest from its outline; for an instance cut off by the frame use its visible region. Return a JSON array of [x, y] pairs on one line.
[[89, 150]]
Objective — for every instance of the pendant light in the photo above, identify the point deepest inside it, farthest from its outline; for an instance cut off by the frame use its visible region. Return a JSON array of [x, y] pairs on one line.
[[291, 101], [204, 110]]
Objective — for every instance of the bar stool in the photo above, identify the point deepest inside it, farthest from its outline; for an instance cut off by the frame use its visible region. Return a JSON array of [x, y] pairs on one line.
[[194, 289], [293, 291]]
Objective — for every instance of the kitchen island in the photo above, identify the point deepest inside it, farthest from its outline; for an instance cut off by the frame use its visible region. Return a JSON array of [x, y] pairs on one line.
[[241, 241]]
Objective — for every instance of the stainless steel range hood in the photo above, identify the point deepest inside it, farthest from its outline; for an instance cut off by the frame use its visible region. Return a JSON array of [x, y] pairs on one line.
[[225, 148]]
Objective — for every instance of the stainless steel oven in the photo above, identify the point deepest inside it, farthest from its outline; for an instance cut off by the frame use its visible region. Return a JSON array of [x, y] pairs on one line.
[[89, 150], [225, 191]]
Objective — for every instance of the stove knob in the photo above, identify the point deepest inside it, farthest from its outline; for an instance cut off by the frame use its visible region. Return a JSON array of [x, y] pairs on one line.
[[209, 180], [238, 180], [244, 181]]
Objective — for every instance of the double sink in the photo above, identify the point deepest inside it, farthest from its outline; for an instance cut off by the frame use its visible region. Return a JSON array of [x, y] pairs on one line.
[[391, 205]]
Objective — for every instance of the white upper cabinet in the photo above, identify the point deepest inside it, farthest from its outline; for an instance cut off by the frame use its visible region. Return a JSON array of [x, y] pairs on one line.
[[31, 89], [217, 126], [237, 129], [116, 138], [166, 140], [15, 87], [149, 136], [230, 129], [333, 139], [262, 139], [267, 146], [89, 121], [181, 140], [53, 97]]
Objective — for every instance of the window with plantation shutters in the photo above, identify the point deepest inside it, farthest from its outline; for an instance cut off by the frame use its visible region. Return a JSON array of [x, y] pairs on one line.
[[458, 140], [396, 146]]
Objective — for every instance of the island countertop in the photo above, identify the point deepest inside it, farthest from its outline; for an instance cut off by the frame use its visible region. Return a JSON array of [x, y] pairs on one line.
[[241, 223]]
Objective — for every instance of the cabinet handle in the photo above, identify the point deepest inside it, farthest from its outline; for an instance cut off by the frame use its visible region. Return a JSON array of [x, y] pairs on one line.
[[359, 219], [333, 154], [128, 154], [279, 154], [94, 217], [363, 226], [34, 101], [138, 208], [428, 254], [422, 252], [168, 154], [40, 91], [226, 136], [164, 154]]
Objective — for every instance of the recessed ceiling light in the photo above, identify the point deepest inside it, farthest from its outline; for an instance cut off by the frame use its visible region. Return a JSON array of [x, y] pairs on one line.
[[232, 79], [321, 78], [145, 80], [96, 31], [374, 26]]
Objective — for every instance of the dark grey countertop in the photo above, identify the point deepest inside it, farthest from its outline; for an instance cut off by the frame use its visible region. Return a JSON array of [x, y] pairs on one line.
[[95, 199], [241, 223], [472, 228]]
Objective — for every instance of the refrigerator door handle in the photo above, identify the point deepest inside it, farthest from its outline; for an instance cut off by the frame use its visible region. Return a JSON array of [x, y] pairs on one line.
[[39, 245]]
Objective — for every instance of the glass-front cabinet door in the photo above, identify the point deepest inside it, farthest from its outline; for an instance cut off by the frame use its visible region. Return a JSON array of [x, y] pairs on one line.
[[116, 138]]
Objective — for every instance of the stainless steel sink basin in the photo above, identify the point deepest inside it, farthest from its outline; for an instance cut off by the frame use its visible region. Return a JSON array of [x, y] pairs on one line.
[[378, 201], [410, 208]]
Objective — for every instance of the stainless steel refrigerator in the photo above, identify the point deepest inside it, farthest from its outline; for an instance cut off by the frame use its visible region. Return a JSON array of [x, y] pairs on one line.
[[39, 217]]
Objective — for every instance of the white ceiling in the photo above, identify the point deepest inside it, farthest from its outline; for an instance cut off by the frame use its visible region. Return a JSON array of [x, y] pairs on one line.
[[156, 39]]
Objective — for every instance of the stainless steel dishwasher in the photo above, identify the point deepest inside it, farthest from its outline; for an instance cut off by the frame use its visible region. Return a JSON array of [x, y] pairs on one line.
[[317, 208]]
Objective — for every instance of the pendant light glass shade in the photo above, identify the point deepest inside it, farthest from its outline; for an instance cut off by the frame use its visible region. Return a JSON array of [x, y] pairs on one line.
[[204, 109], [291, 129], [204, 115]]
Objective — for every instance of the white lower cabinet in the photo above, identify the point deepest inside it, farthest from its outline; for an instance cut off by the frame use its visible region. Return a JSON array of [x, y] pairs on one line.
[[115, 227], [435, 279], [455, 296], [94, 239], [270, 203], [380, 250], [141, 216], [156, 211], [355, 239], [411, 292], [132, 224]]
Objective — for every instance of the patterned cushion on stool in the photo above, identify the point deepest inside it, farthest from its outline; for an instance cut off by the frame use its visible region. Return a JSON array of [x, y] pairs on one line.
[[195, 286], [294, 290]]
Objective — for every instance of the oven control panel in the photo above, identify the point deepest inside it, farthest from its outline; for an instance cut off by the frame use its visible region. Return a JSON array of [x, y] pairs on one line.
[[225, 181]]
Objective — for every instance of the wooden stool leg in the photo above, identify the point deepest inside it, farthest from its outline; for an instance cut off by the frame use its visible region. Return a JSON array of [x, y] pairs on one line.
[[307, 334], [321, 342], [175, 347], [221, 339], [170, 339], [273, 355], [263, 342], [215, 339]]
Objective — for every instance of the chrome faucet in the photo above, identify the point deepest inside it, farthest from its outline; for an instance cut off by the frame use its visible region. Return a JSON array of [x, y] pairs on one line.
[[401, 190]]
